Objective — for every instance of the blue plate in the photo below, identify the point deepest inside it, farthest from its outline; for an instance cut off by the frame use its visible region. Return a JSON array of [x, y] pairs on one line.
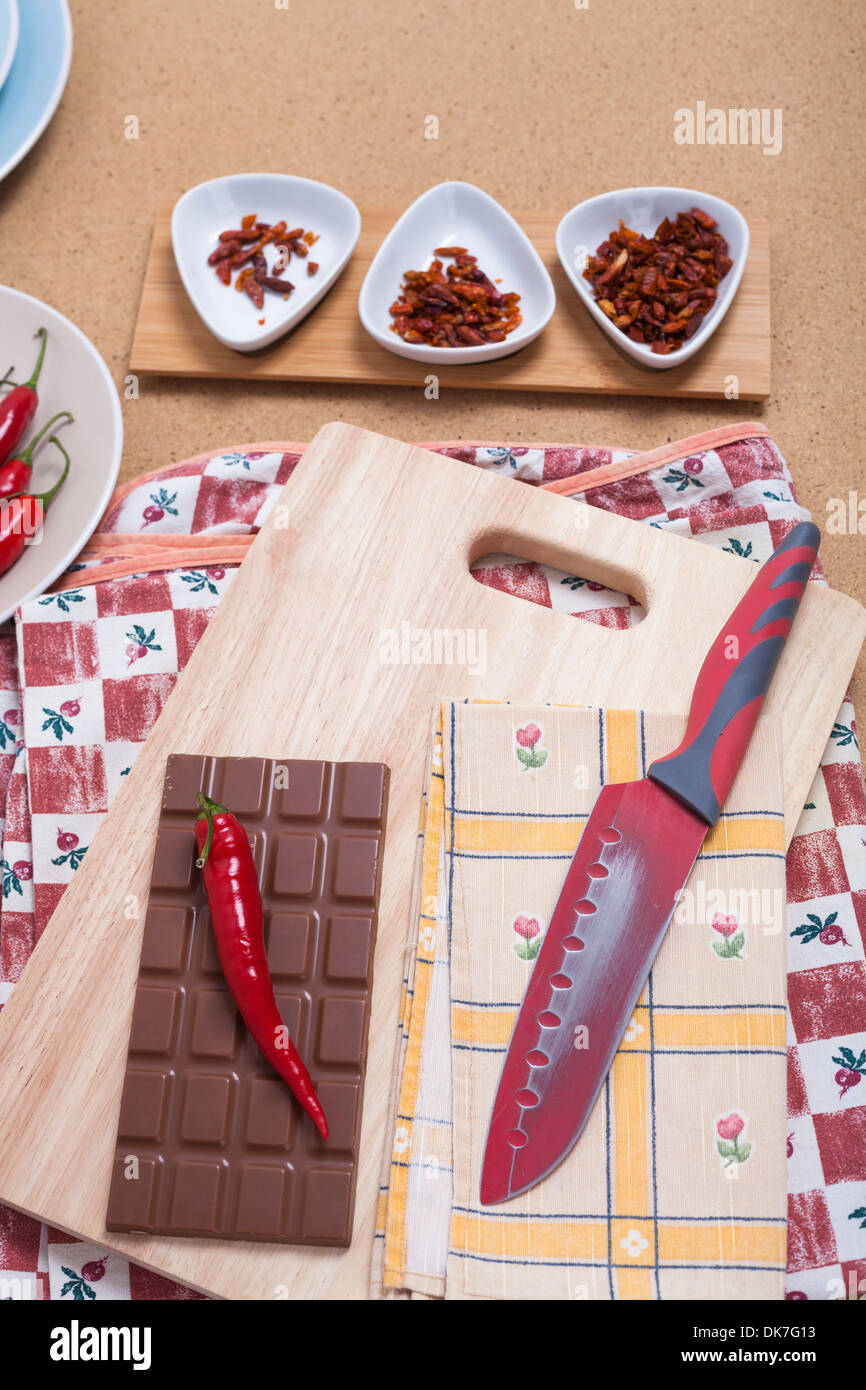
[[36, 79], [8, 36]]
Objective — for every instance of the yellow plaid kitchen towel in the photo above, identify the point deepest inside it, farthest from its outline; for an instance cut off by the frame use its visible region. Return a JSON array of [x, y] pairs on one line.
[[676, 1189]]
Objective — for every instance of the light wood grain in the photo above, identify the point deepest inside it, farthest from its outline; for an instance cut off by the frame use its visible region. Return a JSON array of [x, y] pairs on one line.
[[290, 667], [572, 353]]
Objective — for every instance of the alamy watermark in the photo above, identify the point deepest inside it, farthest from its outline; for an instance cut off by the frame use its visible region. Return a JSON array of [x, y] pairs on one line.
[[740, 125], [437, 646], [755, 907], [846, 516]]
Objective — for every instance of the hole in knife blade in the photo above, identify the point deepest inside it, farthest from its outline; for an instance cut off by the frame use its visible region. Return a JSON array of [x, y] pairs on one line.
[[537, 1058], [572, 943], [584, 907], [517, 1139], [560, 982], [548, 1019], [526, 1099], [610, 835], [597, 871]]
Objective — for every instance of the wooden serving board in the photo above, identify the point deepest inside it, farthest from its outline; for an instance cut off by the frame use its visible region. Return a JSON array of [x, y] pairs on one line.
[[368, 534], [572, 354]]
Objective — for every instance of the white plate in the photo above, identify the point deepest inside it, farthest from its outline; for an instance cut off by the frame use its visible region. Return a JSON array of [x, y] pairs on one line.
[[8, 36], [73, 377], [457, 214], [36, 78], [214, 207], [586, 226]]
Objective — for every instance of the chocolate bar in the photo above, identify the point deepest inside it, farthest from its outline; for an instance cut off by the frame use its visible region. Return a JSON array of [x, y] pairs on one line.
[[210, 1140]]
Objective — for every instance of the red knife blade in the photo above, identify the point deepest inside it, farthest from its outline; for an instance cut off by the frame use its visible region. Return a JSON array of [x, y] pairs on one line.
[[634, 857]]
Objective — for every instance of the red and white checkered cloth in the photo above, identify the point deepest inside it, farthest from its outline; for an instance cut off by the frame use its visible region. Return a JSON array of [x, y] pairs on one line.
[[85, 674]]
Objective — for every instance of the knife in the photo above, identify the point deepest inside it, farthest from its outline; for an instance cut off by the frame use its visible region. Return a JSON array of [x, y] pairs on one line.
[[628, 871]]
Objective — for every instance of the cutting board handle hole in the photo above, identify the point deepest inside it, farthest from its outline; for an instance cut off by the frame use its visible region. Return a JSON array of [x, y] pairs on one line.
[[563, 590]]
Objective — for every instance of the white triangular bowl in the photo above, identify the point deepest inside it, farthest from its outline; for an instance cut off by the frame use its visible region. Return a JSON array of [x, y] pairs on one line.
[[588, 224], [212, 207], [457, 214]]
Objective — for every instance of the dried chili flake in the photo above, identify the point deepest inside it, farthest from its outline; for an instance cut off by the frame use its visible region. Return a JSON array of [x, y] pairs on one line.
[[242, 249], [457, 307], [657, 289]]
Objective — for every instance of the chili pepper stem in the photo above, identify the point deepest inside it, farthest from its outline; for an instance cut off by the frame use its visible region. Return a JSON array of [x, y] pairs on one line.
[[5, 380], [209, 809], [43, 333], [46, 497], [27, 454]]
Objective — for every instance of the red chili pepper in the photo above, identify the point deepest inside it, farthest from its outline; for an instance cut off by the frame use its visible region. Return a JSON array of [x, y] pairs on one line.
[[19, 407], [21, 517], [253, 288], [221, 252], [240, 234], [232, 888], [15, 472], [277, 284]]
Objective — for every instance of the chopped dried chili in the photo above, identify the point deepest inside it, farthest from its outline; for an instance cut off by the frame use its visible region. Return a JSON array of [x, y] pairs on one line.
[[242, 249], [657, 289], [457, 307]]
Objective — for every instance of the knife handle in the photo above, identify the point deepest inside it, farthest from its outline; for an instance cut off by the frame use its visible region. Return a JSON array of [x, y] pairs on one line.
[[735, 677]]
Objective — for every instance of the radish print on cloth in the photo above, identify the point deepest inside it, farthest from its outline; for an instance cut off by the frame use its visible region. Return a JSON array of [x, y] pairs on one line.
[[828, 931], [8, 730], [57, 721], [71, 850], [161, 502], [681, 478], [79, 1286], [852, 1069], [139, 643], [14, 875]]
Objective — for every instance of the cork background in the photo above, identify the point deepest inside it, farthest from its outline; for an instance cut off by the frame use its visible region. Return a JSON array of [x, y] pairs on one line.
[[542, 103]]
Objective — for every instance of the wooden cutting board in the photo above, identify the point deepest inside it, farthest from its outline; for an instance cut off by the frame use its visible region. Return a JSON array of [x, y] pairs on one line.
[[572, 353], [368, 534]]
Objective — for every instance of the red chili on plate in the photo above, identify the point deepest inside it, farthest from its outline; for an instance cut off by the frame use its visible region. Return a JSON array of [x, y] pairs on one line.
[[15, 473], [19, 407], [22, 516]]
